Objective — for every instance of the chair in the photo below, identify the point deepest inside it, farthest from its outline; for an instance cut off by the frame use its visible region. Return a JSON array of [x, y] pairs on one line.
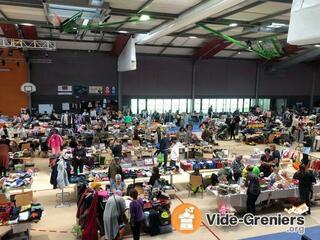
[[195, 181]]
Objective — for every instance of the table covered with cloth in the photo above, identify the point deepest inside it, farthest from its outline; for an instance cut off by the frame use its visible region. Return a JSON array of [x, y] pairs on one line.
[[239, 200]]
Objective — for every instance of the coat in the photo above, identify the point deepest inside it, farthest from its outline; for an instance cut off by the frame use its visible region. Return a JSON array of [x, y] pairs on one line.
[[62, 177], [55, 142], [4, 155], [114, 207]]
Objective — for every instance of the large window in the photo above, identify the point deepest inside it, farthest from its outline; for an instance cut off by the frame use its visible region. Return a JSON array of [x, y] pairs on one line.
[[151, 105], [246, 105], [134, 106], [205, 105], [185, 105], [197, 104], [142, 105], [233, 104], [166, 105], [159, 105], [220, 105]]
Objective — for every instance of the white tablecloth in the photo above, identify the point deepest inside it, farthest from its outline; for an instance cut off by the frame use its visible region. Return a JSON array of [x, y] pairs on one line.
[[239, 200]]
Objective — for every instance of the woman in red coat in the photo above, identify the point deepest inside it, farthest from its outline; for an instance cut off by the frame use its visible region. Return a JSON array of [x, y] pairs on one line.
[[4, 157]]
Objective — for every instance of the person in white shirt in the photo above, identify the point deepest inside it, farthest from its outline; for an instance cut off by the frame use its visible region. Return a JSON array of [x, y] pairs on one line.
[[174, 154]]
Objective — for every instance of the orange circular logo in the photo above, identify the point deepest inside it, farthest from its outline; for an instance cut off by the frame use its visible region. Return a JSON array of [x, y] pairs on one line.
[[186, 218]]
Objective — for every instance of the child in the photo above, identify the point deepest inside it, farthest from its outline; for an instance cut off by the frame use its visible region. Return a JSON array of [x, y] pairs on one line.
[[136, 213]]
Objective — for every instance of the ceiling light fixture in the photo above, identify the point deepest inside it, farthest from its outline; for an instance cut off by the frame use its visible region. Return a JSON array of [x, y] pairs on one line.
[[27, 24], [85, 22], [122, 31], [317, 45], [144, 18], [277, 25], [193, 37], [233, 25], [239, 52]]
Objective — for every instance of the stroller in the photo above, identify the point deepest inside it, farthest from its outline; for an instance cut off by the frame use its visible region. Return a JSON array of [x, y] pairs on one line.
[[222, 132]]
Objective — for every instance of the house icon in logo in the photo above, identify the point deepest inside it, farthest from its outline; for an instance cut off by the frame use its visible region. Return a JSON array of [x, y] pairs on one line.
[[186, 219]]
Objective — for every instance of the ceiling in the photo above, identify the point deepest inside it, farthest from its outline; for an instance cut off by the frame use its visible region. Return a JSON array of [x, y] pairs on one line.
[[249, 18]]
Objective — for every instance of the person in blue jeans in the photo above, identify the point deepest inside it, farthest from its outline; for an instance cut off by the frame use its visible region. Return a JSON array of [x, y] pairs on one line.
[[164, 148]]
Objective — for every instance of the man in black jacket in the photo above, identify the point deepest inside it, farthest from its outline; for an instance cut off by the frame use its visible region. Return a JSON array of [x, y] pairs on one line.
[[306, 180], [253, 191], [164, 148], [79, 157]]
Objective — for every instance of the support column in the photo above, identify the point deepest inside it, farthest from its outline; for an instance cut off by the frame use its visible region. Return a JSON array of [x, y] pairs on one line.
[[313, 85], [193, 85], [29, 95], [119, 91], [258, 69]]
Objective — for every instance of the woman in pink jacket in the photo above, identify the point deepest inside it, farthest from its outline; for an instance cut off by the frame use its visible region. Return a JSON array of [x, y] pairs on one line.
[[55, 142]]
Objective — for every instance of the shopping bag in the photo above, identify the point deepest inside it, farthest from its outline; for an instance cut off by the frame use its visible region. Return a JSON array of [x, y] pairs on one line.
[[160, 158]]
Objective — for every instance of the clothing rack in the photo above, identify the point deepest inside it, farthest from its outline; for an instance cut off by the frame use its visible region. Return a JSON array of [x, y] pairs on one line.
[[61, 199]]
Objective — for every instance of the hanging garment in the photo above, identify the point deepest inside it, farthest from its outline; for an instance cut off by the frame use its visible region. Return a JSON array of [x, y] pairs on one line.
[[4, 155], [55, 142], [115, 207], [90, 231], [62, 177]]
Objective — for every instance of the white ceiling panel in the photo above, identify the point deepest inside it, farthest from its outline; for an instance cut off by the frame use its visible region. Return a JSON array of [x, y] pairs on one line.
[[245, 16], [148, 49], [24, 13], [195, 42], [77, 45], [147, 25], [126, 4], [178, 51], [247, 55], [269, 8], [163, 40], [233, 46], [200, 30], [106, 47], [224, 54], [258, 35], [282, 17], [234, 31], [180, 41], [171, 6]]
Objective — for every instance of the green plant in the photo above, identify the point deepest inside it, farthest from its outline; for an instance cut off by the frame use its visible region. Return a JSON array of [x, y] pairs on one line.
[[77, 232]]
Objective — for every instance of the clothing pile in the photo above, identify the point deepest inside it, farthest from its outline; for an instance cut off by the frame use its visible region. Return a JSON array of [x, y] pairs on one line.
[[17, 180], [127, 173], [9, 214], [191, 164]]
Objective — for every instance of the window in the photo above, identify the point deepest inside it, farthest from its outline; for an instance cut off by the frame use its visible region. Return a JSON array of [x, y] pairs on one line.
[[142, 105], [205, 105], [197, 104], [227, 105], [213, 103], [233, 104], [134, 106], [159, 105], [220, 105], [175, 105], [189, 105], [166, 105], [246, 105], [151, 104], [240, 104], [264, 104], [183, 105]]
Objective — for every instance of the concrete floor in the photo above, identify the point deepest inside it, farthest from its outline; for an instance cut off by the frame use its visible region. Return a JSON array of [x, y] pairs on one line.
[[58, 222]]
